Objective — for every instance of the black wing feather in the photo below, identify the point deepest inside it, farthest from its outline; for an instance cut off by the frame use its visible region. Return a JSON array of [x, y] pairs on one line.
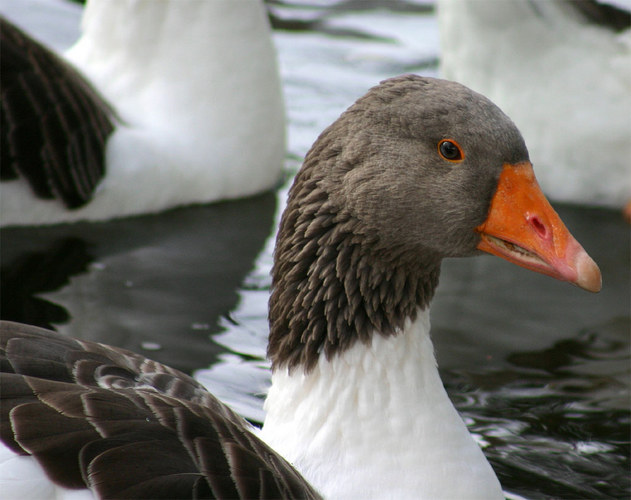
[[54, 123]]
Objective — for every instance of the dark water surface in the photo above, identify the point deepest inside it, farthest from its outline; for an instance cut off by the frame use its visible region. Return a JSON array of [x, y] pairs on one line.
[[538, 369]]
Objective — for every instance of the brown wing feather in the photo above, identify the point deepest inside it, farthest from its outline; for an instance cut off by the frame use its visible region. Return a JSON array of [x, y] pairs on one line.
[[128, 427]]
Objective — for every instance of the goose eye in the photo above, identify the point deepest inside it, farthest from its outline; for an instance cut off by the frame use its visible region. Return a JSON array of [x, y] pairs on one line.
[[450, 150]]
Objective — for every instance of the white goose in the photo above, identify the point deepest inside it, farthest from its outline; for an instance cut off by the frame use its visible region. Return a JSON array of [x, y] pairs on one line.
[[416, 170], [562, 71], [186, 107]]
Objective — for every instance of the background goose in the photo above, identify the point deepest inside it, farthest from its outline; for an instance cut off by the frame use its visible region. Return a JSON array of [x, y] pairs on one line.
[[416, 170], [173, 103], [562, 71]]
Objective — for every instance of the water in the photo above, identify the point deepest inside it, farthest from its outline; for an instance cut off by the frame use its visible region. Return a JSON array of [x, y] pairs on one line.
[[538, 369]]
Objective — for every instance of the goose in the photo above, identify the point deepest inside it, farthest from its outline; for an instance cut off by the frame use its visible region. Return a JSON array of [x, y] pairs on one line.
[[416, 170], [562, 70], [158, 104]]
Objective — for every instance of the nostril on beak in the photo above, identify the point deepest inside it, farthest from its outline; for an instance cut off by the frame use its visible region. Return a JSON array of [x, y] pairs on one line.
[[539, 227]]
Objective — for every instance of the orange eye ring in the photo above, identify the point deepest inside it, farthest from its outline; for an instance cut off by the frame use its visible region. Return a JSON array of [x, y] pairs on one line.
[[450, 150]]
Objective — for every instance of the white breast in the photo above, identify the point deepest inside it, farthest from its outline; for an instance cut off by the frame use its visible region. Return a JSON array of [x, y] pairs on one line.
[[376, 422]]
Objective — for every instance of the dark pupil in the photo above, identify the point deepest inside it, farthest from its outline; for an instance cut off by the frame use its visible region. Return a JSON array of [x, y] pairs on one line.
[[449, 150]]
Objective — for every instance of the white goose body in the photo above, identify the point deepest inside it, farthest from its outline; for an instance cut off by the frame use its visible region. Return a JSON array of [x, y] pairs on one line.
[[562, 75], [198, 109], [416, 170], [386, 404]]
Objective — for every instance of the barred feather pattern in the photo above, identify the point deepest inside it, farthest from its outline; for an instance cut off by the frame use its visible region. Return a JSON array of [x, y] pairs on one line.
[[127, 427]]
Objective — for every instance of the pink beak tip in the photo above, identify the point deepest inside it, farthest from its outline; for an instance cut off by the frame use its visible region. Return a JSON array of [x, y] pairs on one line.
[[588, 273]]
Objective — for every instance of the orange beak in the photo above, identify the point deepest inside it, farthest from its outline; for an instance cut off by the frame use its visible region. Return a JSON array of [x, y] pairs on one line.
[[524, 229]]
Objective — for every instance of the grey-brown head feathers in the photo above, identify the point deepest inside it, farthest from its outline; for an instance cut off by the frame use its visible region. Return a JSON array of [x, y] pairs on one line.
[[374, 209]]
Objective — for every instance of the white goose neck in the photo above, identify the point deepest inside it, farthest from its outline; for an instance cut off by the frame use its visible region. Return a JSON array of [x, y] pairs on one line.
[[376, 421]]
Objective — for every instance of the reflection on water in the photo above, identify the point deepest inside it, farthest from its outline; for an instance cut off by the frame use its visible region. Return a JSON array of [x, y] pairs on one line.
[[32, 273], [557, 420], [158, 283], [538, 369]]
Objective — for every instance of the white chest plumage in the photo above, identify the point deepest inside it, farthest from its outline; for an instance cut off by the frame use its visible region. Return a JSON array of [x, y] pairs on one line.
[[376, 421]]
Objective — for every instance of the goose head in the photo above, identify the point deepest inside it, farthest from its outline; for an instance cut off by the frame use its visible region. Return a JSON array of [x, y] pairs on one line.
[[417, 170]]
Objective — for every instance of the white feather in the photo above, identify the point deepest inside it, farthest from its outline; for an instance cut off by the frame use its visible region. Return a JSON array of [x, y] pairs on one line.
[[385, 406]]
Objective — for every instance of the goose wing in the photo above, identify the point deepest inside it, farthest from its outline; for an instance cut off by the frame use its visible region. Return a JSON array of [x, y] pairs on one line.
[[127, 427], [54, 123]]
